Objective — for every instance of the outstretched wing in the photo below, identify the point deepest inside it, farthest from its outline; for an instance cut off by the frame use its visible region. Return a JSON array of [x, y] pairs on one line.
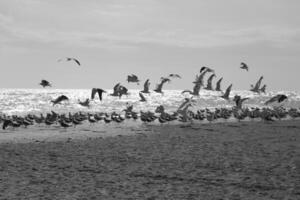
[[94, 90], [78, 63], [100, 92], [142, 97]]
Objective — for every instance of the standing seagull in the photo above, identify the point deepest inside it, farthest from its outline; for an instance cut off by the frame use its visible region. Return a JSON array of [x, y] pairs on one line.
[[45, 83], [227, 93], [279, 98], [244, 66], [70, 59], [146, 86], [97, 90], [218, 86]]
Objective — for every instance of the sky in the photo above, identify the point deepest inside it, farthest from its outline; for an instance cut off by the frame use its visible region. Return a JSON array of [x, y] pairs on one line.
[[149, 38]]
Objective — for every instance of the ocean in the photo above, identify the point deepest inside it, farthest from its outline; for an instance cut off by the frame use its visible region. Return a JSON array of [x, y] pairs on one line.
[[25, 101]]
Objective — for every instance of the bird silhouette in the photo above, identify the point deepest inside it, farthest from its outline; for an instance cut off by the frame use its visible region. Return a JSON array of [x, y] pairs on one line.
[[45, 83], [143, 99], [209, 82], [59, 99], [227, 93], [218, 85], [146, 87], [174, 76], [133, 79], [244, 66], [278, 98], [99, 91], [85, 103], [70, 59], [239, 101], [159, 86], [257, 85]]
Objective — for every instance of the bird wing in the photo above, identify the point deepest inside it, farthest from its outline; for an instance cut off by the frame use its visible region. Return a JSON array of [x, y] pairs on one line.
[[100, 91], [94, 90], [142, 97], [202, 69], [78, 63]]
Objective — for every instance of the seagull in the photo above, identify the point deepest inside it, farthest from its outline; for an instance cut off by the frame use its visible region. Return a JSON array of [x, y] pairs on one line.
[[263, 89], [159, 86], [239, 101], [218, 86], [257, 85], [174, 76], [59, 99], [206, 69], [226, 95], [99, 91], [209, 82], [45, 83], [85, 103], [196, 89], [244, 66], [279, 98], [71, 59], [133, 78], [143, 99], [146, 86], [119, 90]]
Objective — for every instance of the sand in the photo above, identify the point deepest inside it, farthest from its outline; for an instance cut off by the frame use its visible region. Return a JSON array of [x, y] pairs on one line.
[[247, 160]]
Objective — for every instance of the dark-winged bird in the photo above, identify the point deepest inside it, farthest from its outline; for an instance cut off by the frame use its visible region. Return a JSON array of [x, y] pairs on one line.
[[99, 91], [257, 85], [263, 89], [146, 87], [45, 83], [227, 93], [159, 86], [279, 98], [239, 101], [119, 90], [174, 76], [59, 99], [143, 99], [71, 59], [133, 79], [209, 82], [244, 66], [218, 85], [206, 69], [85, 103]]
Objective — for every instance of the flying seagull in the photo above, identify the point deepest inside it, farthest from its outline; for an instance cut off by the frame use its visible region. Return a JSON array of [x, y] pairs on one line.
[[279, 98], [209, 82], [119, 90], [244, 66], [133, 78], [257, 85], [226, 95], [146, 86], [218, 86], [239, 101], [70, 59], [174, 76], [159, 86], [85, 103], [143, 99], [59, 99], [45, 83], [206, 69], [99, 91]]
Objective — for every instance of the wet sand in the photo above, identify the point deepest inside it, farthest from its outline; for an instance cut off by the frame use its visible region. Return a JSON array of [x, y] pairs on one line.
[[247, 160]]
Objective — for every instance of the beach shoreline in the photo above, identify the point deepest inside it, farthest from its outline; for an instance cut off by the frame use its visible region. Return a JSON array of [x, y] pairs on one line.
[[246, 160]]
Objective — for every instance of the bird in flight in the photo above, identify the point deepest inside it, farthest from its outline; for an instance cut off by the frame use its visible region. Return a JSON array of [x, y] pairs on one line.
[[244, 66], [159, 86], [143, 99], [146, 86], [174, 76], [99, 91], [85, 103], [227, 93], [70, 59], [59, 99], [133, 78], [279, 98], [206, 69], [45, 83]]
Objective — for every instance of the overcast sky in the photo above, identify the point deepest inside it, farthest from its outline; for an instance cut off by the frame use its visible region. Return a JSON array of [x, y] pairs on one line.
[[151, 38]]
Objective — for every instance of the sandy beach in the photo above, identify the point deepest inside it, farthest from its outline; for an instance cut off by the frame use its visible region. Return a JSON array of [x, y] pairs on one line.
[[247, 160]]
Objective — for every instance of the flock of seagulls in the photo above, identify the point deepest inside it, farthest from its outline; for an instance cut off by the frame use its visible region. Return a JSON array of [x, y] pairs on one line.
[[182, 114]]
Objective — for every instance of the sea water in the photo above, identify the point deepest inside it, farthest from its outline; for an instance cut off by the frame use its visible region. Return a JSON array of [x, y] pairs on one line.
[[25, 101]]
